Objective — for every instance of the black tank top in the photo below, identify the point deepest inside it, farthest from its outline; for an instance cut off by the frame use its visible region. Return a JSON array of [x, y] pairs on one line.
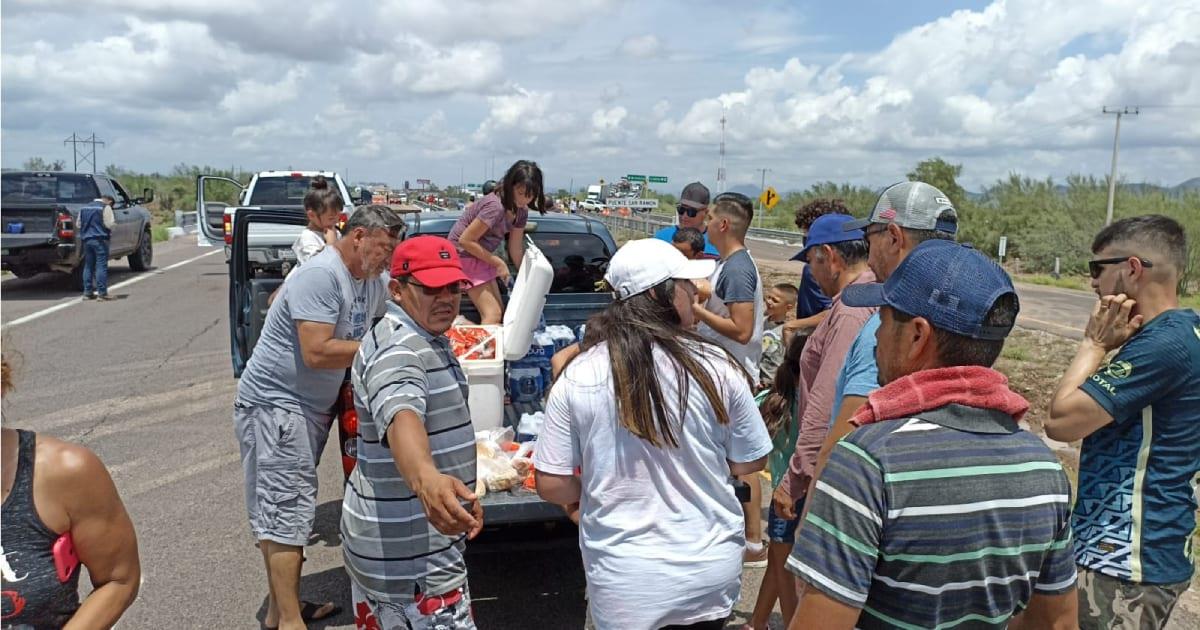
[[30, 594]]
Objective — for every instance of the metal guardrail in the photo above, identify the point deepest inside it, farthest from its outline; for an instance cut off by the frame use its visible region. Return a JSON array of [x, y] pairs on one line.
[[650, 223], [189, 222]]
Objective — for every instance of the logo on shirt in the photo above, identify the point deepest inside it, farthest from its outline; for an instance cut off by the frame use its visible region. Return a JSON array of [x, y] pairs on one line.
[[1119, 369]]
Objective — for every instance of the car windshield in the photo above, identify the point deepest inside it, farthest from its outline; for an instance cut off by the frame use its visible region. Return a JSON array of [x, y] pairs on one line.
[[281, 191], [58, 187]]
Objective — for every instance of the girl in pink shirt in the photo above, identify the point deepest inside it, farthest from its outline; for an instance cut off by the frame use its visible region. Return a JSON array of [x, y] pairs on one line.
[[499, 216]]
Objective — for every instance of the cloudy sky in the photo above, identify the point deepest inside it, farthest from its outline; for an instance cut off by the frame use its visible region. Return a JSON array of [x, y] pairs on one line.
[[404, 89]]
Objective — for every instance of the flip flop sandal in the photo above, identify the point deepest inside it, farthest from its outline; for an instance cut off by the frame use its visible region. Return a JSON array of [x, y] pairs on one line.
[[308, 612]]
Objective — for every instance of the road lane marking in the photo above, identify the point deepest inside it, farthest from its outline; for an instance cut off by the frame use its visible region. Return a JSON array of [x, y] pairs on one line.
[[135, 404], [181, 474], [1050, 323], [120, 285]]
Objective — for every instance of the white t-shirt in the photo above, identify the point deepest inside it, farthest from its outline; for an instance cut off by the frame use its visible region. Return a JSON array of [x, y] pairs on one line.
[[307, 245], [661, 531]]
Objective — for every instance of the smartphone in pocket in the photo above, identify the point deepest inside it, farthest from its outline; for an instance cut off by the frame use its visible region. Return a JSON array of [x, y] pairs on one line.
[[65, 558]]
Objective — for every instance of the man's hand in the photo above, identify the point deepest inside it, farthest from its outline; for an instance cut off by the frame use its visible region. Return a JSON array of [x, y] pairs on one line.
[[477, 512], [785, 507], [441, 496], [1110, 325]]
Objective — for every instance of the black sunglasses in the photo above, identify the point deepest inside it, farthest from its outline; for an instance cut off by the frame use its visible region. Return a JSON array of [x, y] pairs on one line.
[[1095, 267], [455, 288], [691, 212]]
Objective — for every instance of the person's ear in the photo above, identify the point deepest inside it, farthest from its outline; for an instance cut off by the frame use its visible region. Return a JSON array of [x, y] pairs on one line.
[[921, 348]]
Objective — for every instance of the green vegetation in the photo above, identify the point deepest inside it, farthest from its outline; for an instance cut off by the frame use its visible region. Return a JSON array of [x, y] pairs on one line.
[[1078, 283], [158, 233], [1042, 220]]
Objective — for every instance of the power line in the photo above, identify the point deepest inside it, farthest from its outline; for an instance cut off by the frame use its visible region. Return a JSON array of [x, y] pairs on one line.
[[88, 154], [1112, 179]]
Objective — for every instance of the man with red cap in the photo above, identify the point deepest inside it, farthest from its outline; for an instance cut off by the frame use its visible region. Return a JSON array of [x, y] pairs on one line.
[[404, 535]]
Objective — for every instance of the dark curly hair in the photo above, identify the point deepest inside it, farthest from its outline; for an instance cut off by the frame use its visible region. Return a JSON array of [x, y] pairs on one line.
[[817, 208]]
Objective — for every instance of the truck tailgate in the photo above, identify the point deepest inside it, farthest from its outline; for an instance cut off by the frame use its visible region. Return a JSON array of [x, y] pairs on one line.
[[32, 219]]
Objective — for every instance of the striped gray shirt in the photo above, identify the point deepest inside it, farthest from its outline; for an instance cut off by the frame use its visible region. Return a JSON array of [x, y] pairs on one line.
[[391, 550]]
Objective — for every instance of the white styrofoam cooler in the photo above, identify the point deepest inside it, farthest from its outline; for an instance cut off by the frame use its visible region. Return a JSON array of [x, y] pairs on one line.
[[526, 302], [485, 377]]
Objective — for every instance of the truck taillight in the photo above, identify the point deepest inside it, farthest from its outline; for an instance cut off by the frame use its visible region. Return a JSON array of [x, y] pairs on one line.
[[65, 225], [228, 227]]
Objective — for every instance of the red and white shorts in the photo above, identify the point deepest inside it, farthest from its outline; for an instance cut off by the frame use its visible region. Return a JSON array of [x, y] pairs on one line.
[[449, 611]]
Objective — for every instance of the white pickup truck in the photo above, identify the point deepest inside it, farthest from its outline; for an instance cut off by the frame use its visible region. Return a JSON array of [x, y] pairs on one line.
[[270, 245]]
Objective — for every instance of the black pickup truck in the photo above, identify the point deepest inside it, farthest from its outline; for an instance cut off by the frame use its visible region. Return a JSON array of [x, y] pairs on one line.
[[577, 247], [40, 212]]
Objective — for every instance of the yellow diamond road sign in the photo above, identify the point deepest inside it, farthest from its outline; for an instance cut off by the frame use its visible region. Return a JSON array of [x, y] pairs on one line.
[[769, 198]]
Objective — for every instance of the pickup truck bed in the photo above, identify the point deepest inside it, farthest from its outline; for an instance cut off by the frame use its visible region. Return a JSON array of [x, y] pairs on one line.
[[560, 237]]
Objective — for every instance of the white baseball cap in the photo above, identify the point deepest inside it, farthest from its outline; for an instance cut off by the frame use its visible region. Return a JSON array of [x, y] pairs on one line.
[[642, 264]]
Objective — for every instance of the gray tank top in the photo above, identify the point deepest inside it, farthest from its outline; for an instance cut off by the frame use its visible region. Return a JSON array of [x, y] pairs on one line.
[[31, 596]]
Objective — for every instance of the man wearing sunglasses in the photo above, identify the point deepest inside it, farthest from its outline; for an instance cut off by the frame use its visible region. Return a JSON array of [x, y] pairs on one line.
[[284, 405], [404, 536], [1138, 415], [692, 211]]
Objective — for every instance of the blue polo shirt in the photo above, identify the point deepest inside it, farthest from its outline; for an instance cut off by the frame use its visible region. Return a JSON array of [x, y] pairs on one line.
[[668, 233], [1137, 507]]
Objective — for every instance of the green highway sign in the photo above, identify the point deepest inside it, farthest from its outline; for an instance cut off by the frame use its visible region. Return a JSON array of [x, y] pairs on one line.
[[658, 179], [636, 178]]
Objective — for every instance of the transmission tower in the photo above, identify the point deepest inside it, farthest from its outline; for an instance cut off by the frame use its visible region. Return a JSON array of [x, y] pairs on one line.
[[721, 166], [86, 154]]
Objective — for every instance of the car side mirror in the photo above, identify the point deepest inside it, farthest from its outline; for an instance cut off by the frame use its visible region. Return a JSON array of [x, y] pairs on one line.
[[147, 195]]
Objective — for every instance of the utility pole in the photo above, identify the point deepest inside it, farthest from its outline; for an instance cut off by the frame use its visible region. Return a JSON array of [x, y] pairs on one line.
[[721, 165], [88, 154], [761, 188], [1112, 178]]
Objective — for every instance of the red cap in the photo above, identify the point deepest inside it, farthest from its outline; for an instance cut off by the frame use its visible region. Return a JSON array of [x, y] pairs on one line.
[[432, 260]]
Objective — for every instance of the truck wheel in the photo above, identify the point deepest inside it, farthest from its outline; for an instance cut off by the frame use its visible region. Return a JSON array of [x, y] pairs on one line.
[[141, 258]]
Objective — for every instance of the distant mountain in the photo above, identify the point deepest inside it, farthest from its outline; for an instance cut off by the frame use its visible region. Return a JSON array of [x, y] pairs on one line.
[[1191, 184], [749, 190]]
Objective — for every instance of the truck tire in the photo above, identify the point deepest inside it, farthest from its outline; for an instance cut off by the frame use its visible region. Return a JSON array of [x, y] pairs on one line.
[[143, 256]]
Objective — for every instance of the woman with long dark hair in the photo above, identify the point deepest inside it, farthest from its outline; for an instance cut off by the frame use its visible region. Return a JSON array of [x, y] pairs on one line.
[[657, 420], [500, 216]]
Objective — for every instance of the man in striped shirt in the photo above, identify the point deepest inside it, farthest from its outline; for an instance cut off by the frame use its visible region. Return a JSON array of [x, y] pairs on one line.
[[939, 511], [408, 509]]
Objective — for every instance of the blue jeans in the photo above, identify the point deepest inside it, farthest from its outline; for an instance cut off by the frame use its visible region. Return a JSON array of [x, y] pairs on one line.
[[95, 266]]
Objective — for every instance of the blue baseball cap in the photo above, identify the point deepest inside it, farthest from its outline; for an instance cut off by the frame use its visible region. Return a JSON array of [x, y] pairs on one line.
[[828, 229], [952, 286]]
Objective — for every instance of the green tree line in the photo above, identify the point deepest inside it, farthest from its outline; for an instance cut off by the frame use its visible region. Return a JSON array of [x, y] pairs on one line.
[[1041, 220]]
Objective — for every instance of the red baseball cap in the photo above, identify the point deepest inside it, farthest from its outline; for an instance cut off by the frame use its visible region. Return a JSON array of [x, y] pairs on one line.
[[432, 260]]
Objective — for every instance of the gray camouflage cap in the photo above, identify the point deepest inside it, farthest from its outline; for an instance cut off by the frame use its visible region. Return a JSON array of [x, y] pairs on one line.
[[912, 205]]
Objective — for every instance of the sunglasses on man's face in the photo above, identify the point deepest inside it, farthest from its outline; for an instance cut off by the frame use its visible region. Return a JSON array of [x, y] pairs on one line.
[[688, 210], [454, 288], [1096, 267]]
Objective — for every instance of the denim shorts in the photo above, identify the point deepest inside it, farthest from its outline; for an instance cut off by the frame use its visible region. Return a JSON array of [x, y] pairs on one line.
[[280, 451], [780, 530]]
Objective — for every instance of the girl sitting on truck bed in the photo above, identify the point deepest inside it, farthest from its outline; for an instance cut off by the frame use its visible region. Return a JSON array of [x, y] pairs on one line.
[[499, 216]]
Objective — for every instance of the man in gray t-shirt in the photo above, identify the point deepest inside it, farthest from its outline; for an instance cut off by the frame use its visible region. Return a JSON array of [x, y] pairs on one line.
[[733, 319], [285, 399]]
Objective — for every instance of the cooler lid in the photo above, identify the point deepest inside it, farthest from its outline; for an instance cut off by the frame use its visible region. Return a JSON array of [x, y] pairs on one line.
[[526, 301]]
